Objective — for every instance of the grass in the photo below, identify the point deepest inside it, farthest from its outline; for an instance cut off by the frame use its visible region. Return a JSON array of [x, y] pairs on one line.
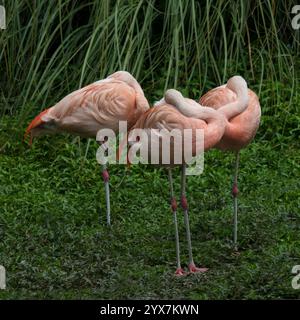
[[53, 245]]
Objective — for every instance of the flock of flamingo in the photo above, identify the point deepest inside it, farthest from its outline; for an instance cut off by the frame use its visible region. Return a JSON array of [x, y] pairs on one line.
[[229, 116]]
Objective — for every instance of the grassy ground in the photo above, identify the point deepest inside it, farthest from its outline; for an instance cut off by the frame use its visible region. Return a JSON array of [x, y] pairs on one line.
[[53, 245]]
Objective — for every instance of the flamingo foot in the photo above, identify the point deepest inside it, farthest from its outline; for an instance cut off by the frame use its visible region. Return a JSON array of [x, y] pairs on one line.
[[194, 269], [180, 272]]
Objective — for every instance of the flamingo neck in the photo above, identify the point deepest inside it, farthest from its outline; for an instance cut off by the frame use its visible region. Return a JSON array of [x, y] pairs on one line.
[[191, 108], [239, 86], [215, 120]]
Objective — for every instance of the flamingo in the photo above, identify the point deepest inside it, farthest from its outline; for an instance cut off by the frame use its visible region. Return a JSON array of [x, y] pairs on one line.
[[242, 122], [176, 112], [99, 105]]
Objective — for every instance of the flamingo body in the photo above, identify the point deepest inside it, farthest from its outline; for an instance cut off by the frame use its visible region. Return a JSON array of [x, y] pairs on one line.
[[177, 112], [242, 123], [101, 104], [166, 115], [241, 128]]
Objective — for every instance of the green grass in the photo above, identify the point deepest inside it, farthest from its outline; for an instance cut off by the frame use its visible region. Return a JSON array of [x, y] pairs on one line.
[[53, 245]]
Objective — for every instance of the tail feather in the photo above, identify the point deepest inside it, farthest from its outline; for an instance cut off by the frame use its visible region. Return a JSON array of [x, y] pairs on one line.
[[37, 121]]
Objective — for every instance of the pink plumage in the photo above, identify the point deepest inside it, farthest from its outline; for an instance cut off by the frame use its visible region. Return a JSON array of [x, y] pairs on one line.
[[241, 125], [176, 112], [242, 122], [101, 104]]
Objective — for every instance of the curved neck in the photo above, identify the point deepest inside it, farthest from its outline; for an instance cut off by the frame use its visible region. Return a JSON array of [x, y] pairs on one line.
[[190, 108], [239, 86], [215, 120]]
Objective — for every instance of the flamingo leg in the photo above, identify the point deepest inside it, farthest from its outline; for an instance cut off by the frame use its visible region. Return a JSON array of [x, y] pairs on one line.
[[179, 270], [105, 177], [235, 192], [184, 204]]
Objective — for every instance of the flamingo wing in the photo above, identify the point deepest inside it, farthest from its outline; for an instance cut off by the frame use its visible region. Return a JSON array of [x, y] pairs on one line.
[[101, 104]]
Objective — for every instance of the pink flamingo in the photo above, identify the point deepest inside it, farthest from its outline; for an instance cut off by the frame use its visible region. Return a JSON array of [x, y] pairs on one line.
[[99, 105], [242, 121], [176, 112]]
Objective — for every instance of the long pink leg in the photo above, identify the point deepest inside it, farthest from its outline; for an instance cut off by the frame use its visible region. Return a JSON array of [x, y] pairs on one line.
[[184, 204], [235, 192], [105, 177], [179, 270]]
